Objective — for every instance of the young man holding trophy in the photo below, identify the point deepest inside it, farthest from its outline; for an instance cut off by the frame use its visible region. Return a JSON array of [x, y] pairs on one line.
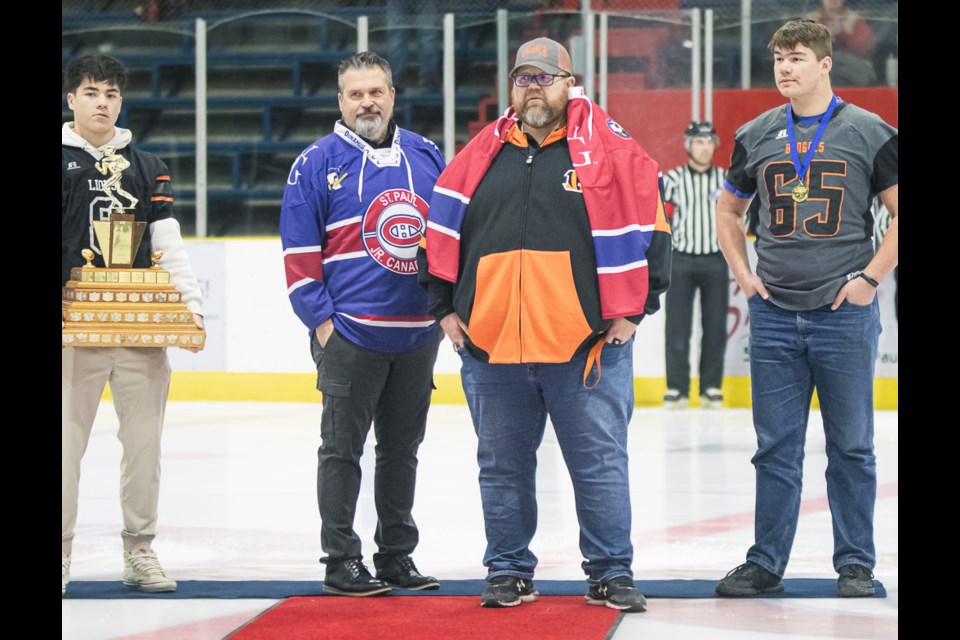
[[111, 194]]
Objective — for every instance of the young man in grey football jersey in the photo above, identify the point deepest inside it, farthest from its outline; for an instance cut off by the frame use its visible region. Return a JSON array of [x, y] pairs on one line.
[[815, 164]]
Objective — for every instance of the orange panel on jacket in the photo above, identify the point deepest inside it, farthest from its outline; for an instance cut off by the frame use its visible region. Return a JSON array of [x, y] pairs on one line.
[[535, 314]]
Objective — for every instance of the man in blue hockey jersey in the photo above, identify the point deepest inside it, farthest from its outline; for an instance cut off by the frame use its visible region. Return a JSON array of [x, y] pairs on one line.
[[354, 210]]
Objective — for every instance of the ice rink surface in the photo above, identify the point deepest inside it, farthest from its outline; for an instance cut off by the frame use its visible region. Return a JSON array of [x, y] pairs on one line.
[[238, 502]]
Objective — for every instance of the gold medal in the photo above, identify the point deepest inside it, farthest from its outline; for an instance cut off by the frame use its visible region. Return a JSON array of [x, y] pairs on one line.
[[800, 193]]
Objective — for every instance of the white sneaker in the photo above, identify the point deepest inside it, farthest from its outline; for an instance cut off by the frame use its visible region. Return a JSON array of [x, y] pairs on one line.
[[673, 399], [64, 573], [142, 571], [712, 398]]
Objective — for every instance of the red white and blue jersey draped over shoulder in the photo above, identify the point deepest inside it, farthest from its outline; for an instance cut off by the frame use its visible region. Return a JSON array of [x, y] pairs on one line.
[[622, 190], [351, 222]]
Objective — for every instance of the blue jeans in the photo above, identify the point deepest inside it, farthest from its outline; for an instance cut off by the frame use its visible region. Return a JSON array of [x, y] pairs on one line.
[[791, 353], [509, 404]]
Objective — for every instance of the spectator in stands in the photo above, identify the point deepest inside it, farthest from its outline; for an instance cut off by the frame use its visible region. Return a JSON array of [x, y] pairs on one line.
[[404, 17], [853, 44], [158, 10]]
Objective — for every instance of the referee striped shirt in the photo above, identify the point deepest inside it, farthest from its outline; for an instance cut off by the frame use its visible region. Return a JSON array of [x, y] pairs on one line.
[[694, 196], [881, 221]]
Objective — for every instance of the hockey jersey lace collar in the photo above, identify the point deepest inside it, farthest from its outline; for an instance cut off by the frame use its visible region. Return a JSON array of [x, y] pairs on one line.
[[389, 156]]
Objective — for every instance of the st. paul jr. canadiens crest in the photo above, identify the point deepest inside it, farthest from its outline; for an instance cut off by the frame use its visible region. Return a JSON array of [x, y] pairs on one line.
[[392, 228]]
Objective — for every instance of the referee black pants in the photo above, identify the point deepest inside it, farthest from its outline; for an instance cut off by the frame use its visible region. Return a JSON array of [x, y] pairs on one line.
[[709, 275], [392, 391]]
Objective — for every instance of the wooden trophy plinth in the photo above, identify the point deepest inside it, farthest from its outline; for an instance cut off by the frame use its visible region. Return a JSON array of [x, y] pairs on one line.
[[126, 307]]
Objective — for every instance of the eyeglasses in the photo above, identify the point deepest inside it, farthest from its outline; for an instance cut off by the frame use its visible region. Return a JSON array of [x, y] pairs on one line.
[[542, 79]]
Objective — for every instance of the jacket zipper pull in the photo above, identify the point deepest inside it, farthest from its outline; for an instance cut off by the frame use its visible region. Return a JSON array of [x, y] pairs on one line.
[[530, 158]]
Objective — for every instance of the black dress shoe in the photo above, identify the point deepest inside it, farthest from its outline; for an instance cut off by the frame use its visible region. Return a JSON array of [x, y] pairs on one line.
[[400, 572], [352, 578]]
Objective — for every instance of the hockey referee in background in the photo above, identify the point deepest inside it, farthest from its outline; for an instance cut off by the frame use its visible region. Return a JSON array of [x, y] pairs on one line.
[[691, 193]]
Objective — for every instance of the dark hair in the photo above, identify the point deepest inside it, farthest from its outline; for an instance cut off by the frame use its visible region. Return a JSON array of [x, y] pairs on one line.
[[364, 60], [808, 33], [98, 68]]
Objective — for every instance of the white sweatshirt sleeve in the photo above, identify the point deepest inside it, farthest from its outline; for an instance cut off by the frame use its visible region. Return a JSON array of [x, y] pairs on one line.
[[165, 235]]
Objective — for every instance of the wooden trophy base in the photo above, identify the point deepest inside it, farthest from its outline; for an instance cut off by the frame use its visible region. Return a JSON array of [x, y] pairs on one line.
[[126, 308]]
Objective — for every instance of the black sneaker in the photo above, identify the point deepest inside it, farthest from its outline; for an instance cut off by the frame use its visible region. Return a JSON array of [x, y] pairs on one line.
[[673, 399], [617, 593], [352, 578], [508, 591], [855, 581], [749, 579], [711, 398], [401, 573]]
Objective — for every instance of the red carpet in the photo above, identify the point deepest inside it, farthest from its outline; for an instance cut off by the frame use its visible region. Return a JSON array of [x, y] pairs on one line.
[[455, 617]]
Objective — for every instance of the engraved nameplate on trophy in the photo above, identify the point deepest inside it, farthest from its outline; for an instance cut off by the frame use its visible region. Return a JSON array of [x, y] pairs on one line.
[[119, 238]]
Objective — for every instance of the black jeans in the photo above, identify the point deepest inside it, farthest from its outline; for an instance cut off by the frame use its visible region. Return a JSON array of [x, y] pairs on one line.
[[709, 274], [392, 391]]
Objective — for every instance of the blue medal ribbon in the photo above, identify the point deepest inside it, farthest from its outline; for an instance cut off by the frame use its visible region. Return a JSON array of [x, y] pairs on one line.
[[801, 166]]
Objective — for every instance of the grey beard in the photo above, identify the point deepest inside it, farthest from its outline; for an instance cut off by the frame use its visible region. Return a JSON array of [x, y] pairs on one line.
[[539, 116], [370, 128]]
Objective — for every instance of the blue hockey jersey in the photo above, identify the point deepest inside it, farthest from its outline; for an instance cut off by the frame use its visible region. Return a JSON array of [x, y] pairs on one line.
[[351, 222]]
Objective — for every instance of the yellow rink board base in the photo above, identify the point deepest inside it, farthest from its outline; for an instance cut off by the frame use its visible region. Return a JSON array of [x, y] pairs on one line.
[[224, 386]]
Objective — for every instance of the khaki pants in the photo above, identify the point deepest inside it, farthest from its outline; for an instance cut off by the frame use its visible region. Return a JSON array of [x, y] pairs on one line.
[[139, 381]]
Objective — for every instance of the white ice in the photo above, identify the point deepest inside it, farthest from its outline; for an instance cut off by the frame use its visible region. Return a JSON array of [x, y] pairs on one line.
[[238, 502]]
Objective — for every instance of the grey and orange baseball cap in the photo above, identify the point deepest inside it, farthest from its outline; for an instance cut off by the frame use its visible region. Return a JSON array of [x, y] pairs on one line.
[[544, 54]]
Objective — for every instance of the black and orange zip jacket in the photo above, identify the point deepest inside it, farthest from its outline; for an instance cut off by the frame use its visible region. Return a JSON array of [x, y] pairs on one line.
[[527, 286]]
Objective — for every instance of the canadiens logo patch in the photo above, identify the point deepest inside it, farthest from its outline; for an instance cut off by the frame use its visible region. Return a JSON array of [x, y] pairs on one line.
[[571, 182], [334, 178], [392, 228], [618, 129]]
